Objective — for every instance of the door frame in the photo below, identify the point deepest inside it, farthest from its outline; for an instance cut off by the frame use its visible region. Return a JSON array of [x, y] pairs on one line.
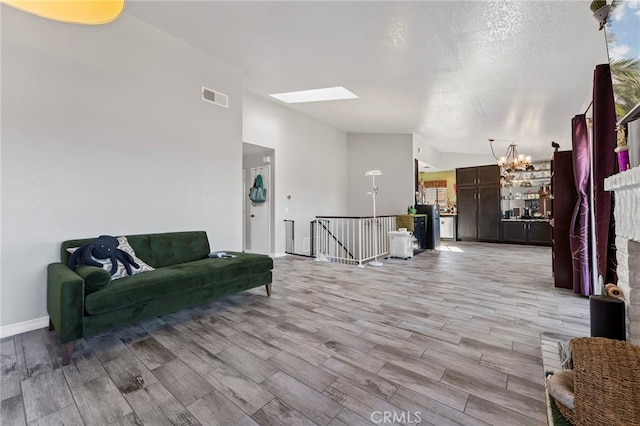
[[268, 187], [245, 192]]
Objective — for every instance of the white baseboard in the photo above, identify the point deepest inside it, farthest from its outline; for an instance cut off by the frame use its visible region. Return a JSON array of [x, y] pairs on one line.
[[23, 327], [280, 254]]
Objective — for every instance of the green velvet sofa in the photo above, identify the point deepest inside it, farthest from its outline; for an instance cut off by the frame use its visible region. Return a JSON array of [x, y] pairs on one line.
[[87, 302]]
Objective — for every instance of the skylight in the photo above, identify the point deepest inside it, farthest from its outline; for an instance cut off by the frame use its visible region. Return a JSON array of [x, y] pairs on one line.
[[315, 95]]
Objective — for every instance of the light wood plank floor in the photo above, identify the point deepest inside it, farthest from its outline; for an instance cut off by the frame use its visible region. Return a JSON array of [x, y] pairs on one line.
[[456, 336]]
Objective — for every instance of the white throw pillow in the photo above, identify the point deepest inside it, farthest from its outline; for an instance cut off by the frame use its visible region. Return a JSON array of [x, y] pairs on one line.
[[560, 387], [121, 272]]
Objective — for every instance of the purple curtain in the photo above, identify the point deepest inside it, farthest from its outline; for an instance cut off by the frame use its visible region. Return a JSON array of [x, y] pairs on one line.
[[604, 165], [579, 231]]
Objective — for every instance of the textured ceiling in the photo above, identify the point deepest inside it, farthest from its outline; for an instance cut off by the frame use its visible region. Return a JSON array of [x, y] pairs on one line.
[[455, 72]]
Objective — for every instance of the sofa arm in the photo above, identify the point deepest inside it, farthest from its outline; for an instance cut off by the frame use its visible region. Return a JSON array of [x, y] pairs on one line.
[[65, 301]]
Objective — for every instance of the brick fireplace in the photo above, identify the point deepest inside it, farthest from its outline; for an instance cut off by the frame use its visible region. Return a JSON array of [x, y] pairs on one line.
[[626, 189]]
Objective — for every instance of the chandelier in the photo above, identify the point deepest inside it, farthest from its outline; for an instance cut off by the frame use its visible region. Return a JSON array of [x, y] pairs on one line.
[[512, 160]]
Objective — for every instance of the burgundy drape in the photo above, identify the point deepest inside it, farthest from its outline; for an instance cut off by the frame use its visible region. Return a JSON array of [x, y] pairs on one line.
[[579, 231], [604, 165]]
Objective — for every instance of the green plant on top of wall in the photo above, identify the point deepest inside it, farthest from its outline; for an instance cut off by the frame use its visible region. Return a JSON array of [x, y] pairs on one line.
[[597, 4]]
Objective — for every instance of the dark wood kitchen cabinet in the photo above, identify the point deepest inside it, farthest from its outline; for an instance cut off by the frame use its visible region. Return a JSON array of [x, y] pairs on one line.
[[483, 175], [564, 201], [478, 199], [526, 232]]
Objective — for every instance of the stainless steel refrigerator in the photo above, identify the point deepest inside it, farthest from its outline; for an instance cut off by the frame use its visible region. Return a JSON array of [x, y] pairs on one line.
[[433, 224]]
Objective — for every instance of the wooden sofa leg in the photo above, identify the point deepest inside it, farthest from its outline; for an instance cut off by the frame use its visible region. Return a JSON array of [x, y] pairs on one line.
[[268, 286], [51, 327], [67, 350]]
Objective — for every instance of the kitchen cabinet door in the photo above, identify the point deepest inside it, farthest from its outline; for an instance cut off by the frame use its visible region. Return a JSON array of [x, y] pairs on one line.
[[467, 214], [514, 232], [466, 176], [489, 213], [488, 175], [539, 232]]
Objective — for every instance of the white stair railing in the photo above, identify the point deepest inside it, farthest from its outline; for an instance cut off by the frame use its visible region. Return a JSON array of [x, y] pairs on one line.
[[350, 240]]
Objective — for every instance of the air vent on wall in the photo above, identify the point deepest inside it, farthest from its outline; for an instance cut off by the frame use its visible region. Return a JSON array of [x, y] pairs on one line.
[[214, 97]]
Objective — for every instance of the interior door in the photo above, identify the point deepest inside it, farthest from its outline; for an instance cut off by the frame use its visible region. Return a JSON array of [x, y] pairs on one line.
[[259, 214]]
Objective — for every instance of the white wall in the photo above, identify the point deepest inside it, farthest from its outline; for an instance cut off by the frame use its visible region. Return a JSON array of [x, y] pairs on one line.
[[443, 161], [311, 164], [393, 155], [104, 132], [424, 152], [447, 160], [454, 160]]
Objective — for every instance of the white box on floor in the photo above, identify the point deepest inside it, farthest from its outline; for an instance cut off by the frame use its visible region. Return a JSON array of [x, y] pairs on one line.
[[400, 244]]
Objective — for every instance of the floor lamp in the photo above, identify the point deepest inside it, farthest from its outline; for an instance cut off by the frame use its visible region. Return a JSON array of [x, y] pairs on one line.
[[373, 174]]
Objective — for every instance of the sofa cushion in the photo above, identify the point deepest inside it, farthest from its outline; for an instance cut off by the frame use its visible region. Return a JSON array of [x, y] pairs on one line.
[[175, 279], [172, 248], [93, 324], [158, 250]]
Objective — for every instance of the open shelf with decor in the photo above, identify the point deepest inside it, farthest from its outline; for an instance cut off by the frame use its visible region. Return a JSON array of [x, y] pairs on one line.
[[526, 193]]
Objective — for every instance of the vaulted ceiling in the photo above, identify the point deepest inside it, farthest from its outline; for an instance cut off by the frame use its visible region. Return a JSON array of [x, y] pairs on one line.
[[454, 72]]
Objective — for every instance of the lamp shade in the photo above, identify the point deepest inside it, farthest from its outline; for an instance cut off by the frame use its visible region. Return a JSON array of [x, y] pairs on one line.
[[88, 12], [373, 173]]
